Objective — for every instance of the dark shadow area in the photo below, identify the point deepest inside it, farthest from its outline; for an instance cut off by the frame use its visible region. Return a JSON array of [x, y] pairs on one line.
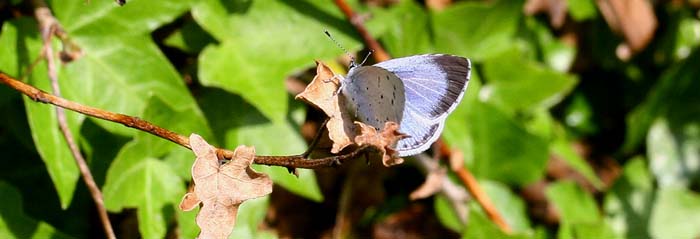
[[225, 111]]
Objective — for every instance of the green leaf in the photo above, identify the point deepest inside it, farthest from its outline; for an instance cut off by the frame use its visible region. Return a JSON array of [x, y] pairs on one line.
[[579, 213], [250, 215], [676, 214], [406, 32], [581, 10], [673, 145], [446, 213], [481, 227], [107, 76], [573, 203], [136, 180], [578, 115], [589, 230], [565, 150], [485, 29], [237, 123], [629, 203], [190, 38], [262, 42], [517, 84], [495, 146], [675, 92], [21, 45], [187, 224], [105, 18], [555, 53], [511, 207]]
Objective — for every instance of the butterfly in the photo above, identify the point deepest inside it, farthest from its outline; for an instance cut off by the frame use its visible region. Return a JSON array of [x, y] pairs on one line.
[[417, 91]]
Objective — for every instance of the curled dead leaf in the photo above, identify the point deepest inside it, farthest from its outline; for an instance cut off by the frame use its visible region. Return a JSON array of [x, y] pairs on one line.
[[385, 141], [221, 188], [322, 93]]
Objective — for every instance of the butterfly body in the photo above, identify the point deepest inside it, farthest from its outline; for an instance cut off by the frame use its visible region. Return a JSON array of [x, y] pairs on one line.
[[418, 92]]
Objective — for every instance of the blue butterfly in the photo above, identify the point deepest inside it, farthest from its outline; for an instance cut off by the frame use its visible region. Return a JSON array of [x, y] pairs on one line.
[[418, 92]]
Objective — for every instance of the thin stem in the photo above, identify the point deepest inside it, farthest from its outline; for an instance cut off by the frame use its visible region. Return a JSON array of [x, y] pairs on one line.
[[294, 161], [48, 25], [379, 53], [317, 137]]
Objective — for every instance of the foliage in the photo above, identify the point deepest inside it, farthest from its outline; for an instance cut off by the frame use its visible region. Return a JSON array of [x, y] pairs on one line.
[[628, 131]]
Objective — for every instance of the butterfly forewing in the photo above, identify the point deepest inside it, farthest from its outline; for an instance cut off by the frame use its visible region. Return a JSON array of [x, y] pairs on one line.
[[434, 84]]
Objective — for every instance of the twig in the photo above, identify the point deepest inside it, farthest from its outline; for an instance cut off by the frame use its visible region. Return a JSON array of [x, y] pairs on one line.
[[48, 25], [379, 53], [455, 194], [478, 193], [316, 139], [295, 161]]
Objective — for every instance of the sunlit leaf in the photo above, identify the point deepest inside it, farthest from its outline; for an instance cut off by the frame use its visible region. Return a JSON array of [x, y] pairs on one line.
[[253, 34], [485, 29], [676, 214], [21, 36]]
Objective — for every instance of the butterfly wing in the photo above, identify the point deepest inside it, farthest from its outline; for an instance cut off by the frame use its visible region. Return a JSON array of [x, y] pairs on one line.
[[373, 95], [434, 85]]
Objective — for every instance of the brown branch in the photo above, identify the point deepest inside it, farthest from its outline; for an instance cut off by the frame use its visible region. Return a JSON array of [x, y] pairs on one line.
[[48, 25], [379, 53], [294, 161]]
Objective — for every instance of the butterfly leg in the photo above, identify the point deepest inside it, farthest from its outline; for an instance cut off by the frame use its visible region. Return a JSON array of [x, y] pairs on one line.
[[336, 79]]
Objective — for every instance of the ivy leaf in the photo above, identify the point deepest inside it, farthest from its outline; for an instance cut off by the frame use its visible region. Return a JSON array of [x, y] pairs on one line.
[[486, 29], [107, 76], [252, 35], [517, 84], [21, 36], [138, 181]]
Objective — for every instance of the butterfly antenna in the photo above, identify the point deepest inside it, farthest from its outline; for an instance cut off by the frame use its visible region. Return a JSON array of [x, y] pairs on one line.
[[352, 59], [367, 56]]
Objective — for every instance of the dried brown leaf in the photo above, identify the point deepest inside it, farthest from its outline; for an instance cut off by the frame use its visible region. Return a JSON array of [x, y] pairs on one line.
[[385, 141], [432, 185], [556, 9], [189, 201], [322, 93], [634, 19], [222, 188]]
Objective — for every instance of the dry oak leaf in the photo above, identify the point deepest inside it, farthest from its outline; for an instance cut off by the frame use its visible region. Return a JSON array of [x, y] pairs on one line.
[[222, 187], [322, 93], [384, 141]]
